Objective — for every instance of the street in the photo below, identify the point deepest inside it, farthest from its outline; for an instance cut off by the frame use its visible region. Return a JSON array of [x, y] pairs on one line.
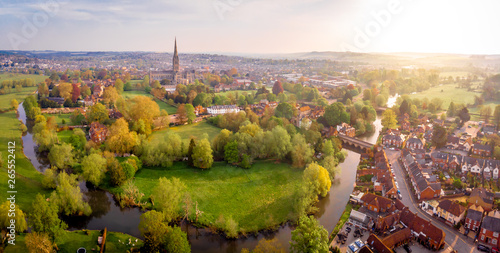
[[453, 239]]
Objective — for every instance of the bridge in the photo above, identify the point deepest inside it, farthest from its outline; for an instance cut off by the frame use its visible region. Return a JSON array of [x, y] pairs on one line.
[[354, 142]]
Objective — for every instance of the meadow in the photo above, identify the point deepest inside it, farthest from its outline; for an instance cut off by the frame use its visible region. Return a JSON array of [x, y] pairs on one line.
[[257, 198], [447, 93], [195, 130], [163, 106], [28, 179], [19, 96]]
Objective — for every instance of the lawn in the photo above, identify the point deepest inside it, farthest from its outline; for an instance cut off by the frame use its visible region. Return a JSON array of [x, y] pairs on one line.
[[70, 241], [64, 135], [257, 198], [19, 96], [448, 93], [59, 118], [193, 130], [16, 76], [163, 106], [475, 110], [28, 179]]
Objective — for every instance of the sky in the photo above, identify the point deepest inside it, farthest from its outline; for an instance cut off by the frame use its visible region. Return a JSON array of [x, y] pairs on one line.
[[252, 26]]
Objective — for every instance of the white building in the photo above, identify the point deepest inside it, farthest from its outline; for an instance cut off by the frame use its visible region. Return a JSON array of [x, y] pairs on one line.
[[495, 173], [222, 109]]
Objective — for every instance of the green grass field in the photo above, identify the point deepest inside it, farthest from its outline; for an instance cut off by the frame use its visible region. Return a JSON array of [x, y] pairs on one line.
[[195, 130], [163, 106], [59, 118], [475, 110], [19, 96], [64, 135], [28, 179], [257, 198], [15, 76], [447, 93], [71, 241]]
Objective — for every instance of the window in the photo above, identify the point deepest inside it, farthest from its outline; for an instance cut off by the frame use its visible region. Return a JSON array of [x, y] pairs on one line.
[[484, 230], [494, 241], [482, 238], [495, 234]]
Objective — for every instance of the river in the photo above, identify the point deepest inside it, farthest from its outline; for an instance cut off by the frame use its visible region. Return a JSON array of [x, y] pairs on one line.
[[107, 212]]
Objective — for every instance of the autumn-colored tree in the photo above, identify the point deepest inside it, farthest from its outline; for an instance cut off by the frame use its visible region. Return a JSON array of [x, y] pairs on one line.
[[277, 88], [119, 86], [317, 179], [120, 139], [97, 113], [65, 90], [142, 107], [75, 94], [43, 90], [389, 119], [110, 95], [39, 243]]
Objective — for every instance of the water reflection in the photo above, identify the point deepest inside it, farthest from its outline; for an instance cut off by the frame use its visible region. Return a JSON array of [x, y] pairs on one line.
[[106, 212]]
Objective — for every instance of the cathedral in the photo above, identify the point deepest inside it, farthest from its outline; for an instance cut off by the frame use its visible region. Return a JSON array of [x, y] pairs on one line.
[[175, 76]]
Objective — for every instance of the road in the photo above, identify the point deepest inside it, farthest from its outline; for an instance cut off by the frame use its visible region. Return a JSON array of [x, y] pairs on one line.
[[453, 238]]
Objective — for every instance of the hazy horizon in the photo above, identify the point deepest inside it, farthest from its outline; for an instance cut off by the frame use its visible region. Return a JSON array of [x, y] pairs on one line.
[[249, 27]]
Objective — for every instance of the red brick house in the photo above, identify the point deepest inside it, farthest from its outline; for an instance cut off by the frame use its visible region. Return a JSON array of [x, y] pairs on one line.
[[481, 150], [474, 217], [98, 132], [392, 140], [490, 230], [377, 203]]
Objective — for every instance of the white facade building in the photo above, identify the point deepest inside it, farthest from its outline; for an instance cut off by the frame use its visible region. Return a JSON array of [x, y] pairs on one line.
[[222, 109]]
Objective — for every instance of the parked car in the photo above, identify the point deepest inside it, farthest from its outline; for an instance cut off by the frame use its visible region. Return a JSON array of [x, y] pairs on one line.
[[483, 248], [400, 196], [348, 230], [407, 248]]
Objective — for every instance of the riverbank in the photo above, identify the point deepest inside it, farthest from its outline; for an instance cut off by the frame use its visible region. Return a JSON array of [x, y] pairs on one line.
[[28, 179], [70, 241]]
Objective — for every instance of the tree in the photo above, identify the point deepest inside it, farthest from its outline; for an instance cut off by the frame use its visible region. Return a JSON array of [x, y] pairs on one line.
[[277, 88], [451, 110], [144, 108], [336, 114], [404, 107], [190, 113], [284, 110], [75, 93], [317, 179], [309, 236], [496, 153], [94, 167], [202, 155], [439, 136], [464, 115], [192, 144], [182, 114], [43, 217], [61, 156], [39, 243], [302, 152], [219, 143], [127, 86], [116, 174], [496, 115], [65, 90], [231, 153], [97, 112], [110, 95], [485, 112], [176, 241], [43, 90], [153, 228], [119, 86], [14, 104], [120, 139], [15, 213], [267, 246], [78, 139], [389, 120], [278, 141], [68, 196], [167, 197]]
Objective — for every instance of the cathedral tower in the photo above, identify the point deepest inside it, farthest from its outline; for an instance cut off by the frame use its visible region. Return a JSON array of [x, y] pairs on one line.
[[175, 60]]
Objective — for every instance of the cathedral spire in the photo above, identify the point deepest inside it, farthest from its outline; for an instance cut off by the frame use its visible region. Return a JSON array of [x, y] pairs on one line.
[[175, 60]]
